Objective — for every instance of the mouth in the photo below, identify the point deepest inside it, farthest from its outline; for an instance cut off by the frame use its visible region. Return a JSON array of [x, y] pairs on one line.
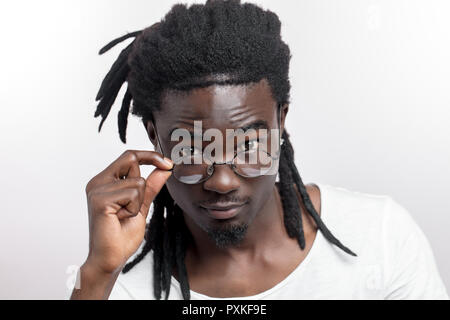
[[225, 211]]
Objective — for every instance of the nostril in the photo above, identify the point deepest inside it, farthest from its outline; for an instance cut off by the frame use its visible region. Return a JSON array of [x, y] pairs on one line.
[[223, 180]]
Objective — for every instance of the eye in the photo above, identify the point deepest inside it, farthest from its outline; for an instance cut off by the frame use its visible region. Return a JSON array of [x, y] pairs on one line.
[[189, 151], [249, 145]]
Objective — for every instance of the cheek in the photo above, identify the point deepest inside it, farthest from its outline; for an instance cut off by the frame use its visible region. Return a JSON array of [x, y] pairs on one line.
[[262, 191], [184, 195]]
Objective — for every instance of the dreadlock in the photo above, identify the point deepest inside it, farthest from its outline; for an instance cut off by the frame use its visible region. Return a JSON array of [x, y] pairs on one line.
[[181, 52]]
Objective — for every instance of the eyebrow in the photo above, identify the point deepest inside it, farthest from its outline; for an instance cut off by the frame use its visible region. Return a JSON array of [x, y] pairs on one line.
[[258, 124]]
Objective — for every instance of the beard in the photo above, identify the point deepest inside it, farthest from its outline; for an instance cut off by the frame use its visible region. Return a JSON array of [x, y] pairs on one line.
[[228, 235]]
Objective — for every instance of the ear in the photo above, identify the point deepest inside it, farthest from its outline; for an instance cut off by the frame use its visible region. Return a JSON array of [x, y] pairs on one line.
[[148, 125], [284, 111]]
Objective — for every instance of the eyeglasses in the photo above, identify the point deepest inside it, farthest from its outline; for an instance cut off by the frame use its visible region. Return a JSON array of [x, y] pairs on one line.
[[200, 170]]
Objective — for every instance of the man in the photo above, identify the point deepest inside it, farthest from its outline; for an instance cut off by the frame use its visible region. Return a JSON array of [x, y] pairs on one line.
[[220, 228]]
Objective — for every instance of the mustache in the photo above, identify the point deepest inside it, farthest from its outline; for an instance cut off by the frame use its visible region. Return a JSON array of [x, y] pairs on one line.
[[225, 199]]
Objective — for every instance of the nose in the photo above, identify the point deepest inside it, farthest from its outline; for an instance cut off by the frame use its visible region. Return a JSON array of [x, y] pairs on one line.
[[223, 180]]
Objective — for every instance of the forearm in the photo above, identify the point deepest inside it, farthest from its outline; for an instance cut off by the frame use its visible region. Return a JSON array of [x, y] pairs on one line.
[[94, 284]]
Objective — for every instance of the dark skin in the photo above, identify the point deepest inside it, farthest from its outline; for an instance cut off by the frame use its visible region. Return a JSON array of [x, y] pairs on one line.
[[119, 199], [266, 255]]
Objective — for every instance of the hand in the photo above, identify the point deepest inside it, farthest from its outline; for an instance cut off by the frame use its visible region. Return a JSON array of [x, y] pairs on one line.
[[118, 203]]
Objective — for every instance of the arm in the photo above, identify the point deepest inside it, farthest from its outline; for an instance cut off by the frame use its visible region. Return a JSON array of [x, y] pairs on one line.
[[118, 204], [94, 284]]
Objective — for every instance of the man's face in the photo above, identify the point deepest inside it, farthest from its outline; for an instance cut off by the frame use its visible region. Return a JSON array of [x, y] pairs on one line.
[[219, 107]]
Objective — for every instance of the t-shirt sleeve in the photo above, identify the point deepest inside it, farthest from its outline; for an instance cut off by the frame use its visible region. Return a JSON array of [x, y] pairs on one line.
[[119, 291], [411, 271]]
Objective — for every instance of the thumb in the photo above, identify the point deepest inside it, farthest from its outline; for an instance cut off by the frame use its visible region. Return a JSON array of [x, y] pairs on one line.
[[154, 183]]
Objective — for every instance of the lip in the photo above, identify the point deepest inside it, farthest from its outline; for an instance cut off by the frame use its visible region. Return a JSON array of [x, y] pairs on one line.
[[225, 211]]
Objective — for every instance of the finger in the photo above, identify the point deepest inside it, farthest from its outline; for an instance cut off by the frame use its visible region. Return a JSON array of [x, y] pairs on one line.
[[123, 203], [154, 182], [138, 183], [128, 165], [129, 201]]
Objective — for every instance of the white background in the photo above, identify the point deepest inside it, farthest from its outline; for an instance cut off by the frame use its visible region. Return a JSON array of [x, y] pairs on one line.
[[370, 112]]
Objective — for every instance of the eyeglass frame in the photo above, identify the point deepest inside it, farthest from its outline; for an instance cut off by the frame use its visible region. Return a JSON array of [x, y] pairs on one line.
[[232, 165]]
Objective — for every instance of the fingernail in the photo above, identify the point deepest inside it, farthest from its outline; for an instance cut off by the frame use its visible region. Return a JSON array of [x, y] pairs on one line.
[[168, 161]]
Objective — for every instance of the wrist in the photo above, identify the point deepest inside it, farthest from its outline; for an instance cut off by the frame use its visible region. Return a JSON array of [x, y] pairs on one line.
[[93, 271], [94, 282]]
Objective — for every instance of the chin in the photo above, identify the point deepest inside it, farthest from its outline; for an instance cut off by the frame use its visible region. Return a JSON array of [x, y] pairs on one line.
[[227, 235]]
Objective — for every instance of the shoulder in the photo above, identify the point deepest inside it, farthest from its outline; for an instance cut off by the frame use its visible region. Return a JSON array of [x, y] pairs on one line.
[[355, 207], [360, 219], [367, 214], [384, 234]]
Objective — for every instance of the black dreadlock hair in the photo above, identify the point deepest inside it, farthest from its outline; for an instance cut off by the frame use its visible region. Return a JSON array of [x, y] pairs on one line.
[[181, 52]]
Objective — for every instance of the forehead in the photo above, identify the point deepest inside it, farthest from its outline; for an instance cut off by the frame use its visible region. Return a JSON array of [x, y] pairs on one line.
[[217, 106]]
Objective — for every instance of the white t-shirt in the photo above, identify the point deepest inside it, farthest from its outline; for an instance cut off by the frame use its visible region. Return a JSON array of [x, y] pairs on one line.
[[394, 259]]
